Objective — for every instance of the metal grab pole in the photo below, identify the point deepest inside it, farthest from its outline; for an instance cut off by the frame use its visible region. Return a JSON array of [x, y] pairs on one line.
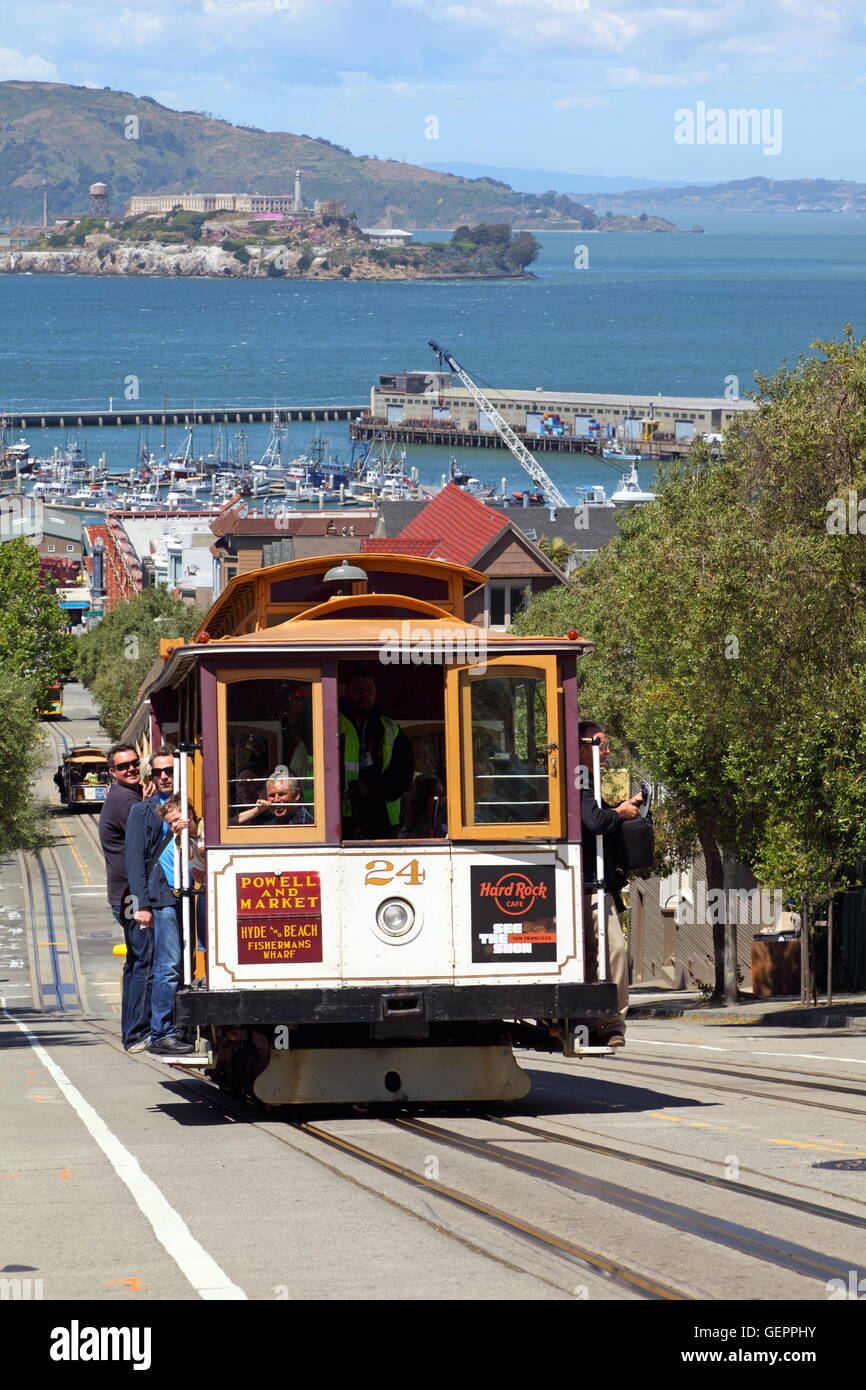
[[181, 865], [830, 951], [599, 867]]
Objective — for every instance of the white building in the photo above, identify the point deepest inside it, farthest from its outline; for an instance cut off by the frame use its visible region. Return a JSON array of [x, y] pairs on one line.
[[387, 236]]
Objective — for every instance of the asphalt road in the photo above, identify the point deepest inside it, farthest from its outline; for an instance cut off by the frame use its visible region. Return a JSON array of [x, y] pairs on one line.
[[703, 1163]]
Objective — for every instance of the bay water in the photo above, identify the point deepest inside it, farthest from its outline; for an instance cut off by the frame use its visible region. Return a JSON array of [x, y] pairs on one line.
[[690, 314]]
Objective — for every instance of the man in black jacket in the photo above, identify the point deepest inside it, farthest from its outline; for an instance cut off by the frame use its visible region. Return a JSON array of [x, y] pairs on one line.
[[124, 793], [606, 821], [377, 763], [147, 840]]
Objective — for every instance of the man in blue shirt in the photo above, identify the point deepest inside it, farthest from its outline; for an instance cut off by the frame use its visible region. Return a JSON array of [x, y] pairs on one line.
[[147, 837]]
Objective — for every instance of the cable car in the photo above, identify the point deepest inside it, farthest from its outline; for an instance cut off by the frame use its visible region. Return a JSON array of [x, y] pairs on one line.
[[82, 778], [51, 705], [406, 965]]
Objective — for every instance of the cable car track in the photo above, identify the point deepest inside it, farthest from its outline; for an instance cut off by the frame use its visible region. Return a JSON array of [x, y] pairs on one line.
[[618, 1272], [632, 1069], [676, 1170], [63, 991], [615, 1270], [771, 1249], [806, 1262]]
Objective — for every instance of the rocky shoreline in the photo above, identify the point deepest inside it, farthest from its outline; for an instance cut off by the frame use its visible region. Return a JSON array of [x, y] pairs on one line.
[[111, 257]]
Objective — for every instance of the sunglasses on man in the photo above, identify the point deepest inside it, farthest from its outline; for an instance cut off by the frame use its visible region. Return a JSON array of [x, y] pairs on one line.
[[124, 767]]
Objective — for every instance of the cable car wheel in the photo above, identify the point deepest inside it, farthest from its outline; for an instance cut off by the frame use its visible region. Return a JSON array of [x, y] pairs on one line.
[[240, 1054]]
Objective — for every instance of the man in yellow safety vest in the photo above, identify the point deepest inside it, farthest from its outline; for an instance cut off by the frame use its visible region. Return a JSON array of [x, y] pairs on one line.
[[376, 760]]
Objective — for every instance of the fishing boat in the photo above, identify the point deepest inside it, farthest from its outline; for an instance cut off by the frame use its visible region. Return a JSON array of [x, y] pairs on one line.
[[474, 486], [616, 453], [630, 491]]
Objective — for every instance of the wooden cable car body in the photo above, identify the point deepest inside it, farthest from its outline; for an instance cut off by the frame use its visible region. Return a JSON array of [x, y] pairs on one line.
[[52, 703], [82, 778], [400, 969]]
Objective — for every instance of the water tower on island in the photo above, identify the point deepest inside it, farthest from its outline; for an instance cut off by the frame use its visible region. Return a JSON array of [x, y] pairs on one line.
[[98, 206], [297, 198]]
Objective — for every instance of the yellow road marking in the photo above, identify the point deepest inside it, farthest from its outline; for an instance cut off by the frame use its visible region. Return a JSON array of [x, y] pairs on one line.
[[79, 861], [831, 1146], [825, 1148], [692, 1124]]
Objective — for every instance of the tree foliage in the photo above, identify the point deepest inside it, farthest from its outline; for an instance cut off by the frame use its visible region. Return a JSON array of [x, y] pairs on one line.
[[23, 820], [113, 658], [730, 632], [33, 641]]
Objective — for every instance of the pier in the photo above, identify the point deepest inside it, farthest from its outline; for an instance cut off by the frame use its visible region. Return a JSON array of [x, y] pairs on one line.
[[452, 437], [74, 417]]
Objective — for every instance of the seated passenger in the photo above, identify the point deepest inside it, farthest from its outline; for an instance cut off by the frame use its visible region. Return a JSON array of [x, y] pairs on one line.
[[281, 804], [424, 813]]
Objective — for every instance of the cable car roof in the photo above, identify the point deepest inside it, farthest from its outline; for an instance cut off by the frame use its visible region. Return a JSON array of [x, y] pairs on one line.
[[248, 601]]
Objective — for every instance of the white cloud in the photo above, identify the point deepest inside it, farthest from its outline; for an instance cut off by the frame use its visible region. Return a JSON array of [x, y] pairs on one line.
[[15, 67], [134, 27]]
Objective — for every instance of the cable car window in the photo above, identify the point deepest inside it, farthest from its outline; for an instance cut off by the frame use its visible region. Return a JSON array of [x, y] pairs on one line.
[[503, 726], [269, 766], [510, 777]]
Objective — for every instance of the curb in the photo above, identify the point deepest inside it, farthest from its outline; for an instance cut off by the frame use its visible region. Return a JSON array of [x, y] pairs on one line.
[[787, 1018]]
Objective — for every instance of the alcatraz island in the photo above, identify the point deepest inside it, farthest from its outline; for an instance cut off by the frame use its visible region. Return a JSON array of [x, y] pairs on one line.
[[241, 235], [101, 182]]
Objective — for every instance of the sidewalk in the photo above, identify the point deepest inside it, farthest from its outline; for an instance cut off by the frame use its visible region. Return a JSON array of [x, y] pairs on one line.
[[848, 1011]]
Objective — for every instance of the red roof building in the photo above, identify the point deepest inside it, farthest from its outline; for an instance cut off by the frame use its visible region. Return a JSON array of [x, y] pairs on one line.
[[457, 527]]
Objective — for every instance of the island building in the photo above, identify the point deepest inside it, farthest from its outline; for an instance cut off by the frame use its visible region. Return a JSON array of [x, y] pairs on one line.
[[387, 236], [427, 399], [285, 204]]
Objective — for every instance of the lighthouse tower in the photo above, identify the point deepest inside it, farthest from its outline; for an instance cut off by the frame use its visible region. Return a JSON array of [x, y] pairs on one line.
[[297, 200]]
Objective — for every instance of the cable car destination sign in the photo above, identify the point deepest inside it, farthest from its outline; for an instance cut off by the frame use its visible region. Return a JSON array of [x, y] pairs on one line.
[[279, 917]]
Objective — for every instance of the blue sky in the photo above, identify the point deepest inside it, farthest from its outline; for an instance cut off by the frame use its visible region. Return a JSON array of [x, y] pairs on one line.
[[588, 86]]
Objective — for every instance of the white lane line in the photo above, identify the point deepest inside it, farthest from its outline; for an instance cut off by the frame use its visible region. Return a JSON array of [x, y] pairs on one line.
[[750, 1052], [204, 1274]]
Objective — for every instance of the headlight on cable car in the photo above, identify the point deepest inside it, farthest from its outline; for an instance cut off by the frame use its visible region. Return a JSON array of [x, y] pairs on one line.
[[395, 917]]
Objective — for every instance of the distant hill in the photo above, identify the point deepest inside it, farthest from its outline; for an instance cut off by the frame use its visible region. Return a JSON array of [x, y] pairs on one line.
[[541, 180], [63, 138], [740, 195]]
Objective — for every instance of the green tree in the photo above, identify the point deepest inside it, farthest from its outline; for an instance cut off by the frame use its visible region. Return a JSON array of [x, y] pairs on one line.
[[113, 658], [23, 820], [558, 551], [33, 640], [522, 250], [730, 626]]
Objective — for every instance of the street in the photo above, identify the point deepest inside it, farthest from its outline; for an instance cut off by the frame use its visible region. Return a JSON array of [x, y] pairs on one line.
[[705, 1162]]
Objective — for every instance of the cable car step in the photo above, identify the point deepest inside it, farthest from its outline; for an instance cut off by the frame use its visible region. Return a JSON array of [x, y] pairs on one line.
[[189, 1059]]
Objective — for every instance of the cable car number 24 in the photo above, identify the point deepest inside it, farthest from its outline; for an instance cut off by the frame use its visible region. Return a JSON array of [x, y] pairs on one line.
[[382, 871]]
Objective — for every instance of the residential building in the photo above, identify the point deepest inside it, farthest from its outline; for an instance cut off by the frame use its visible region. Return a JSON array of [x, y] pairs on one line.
[[247, 539], [457, 527]]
